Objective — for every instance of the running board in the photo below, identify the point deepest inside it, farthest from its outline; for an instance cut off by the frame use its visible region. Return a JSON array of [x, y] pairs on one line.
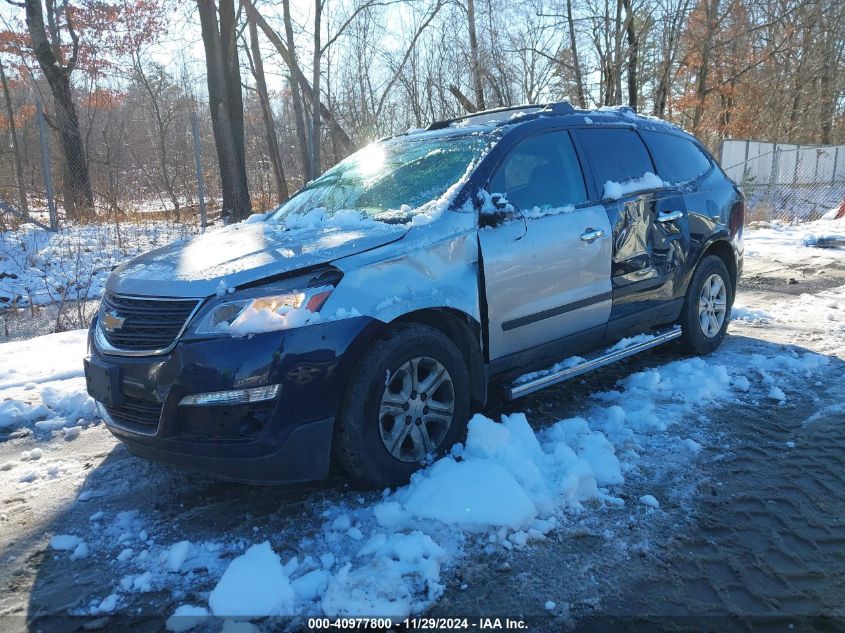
[[606, 358]]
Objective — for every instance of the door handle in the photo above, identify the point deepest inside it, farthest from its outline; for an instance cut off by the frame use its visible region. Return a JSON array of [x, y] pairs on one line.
[[591, 235], [669, 216]]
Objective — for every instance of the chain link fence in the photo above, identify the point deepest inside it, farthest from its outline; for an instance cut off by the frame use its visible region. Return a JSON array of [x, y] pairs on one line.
[[789, 183], [114, 179]]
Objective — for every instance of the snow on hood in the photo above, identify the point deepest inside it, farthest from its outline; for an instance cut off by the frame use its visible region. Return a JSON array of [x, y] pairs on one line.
[[244, 253]]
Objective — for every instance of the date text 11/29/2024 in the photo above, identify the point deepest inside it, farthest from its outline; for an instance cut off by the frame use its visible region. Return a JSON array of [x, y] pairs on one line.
[[435, 624]]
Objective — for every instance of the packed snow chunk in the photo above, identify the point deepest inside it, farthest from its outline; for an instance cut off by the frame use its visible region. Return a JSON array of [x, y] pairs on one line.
[[65, 542], [650, 501], [177, 554], [615, 190], [740, 312], [776, 393], [143, 582], [33, 455], [310, 586], [186, 618], [71, 433], [474, 493], [253, 586], [108, 605], [390, 514], [80, 551], [14, 413]]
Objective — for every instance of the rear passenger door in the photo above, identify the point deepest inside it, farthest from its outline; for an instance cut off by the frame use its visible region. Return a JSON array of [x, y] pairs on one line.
[[546, 269], [649, 228]]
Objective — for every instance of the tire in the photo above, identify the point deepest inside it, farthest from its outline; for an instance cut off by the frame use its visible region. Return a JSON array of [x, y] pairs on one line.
[[700, 332], [369, 419]]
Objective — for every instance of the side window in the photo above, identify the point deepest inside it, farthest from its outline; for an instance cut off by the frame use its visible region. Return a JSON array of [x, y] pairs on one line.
[[615, 154], [541, 172], [678, 159]]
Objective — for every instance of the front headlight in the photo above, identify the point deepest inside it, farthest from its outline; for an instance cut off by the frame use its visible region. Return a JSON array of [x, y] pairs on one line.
[[264, 313]]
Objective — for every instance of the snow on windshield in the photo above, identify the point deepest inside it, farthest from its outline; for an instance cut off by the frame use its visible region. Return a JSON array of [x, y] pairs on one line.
[[398, 181]]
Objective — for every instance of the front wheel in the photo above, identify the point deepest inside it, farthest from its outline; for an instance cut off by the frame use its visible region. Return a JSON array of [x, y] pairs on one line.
[[707, 306], [408, 399]]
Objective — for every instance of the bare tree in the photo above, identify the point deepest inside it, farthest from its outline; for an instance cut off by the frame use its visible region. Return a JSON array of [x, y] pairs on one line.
[[225, 98], [49, 52], [16, 150], [257, 65]]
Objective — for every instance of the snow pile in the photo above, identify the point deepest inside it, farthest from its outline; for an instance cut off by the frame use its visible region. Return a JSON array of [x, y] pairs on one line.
[[254, 585], [506, 486], [740, 312], [47, 396], [614, 190]]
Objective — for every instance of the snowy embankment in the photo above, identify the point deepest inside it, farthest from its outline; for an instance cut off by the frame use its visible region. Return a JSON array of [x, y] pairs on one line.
[[38, 267], [507, 487]]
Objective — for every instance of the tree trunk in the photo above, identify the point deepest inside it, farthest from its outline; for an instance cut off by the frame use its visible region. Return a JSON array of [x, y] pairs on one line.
[[296, 93], [315, 87], [633, 52], [576, 62], [16, 150], [474, 59], [282, 193], [711, 8], [225, 101], [79, 199]]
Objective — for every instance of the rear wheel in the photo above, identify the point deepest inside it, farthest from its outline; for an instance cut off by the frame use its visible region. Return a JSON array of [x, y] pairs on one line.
[[707, 306], [408, 399]]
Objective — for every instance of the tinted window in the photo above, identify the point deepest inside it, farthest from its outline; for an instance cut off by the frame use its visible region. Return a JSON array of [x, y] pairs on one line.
[[615, 154], [678, 159], [541, 172]]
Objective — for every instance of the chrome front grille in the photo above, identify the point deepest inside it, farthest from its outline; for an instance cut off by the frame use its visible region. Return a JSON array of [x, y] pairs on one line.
[[142, 324]]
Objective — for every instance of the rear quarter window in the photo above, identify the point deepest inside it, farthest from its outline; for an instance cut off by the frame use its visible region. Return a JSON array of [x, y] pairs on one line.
[[678, 159], [615, 154]]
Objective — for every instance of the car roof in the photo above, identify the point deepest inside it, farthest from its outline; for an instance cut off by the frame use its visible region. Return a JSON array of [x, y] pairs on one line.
[[561, 113]]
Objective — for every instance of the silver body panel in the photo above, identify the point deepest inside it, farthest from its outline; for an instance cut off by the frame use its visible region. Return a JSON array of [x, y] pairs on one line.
[[542, 266], [433, 266]]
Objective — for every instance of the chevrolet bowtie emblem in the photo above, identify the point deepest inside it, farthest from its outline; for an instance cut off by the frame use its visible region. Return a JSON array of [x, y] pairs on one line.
[[112, 322]]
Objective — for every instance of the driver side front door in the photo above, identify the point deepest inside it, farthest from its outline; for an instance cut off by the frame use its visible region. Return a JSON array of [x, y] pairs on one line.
[[547, 269]]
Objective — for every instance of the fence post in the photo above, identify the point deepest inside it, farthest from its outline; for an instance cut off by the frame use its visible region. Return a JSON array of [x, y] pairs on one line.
[[773, 178], [195, 129], [46, 166]]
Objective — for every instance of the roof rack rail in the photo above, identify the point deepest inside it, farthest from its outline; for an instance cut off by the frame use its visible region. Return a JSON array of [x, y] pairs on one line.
[[559, 107]]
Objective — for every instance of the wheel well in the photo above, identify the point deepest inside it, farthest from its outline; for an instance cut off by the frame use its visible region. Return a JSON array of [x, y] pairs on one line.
[[724, 251], [465, 332]]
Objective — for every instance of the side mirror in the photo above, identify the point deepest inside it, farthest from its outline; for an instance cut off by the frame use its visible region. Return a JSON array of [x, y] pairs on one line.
[[501, 212]]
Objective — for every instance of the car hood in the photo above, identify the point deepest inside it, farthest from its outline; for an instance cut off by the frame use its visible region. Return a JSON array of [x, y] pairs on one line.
[[241, 254]]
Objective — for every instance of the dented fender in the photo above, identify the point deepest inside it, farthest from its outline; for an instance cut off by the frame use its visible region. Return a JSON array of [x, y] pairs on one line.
[[424, 269]]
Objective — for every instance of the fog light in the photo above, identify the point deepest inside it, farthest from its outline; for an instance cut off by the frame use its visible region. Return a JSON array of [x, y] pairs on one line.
[[238, 396]]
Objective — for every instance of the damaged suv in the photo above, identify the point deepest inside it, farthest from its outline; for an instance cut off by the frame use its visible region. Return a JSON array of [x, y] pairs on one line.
[[363, 320]]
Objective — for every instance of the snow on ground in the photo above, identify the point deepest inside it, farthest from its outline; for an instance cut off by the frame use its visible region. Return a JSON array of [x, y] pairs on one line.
[[37, 266], [391, 554], [794, 243], [43, 389]]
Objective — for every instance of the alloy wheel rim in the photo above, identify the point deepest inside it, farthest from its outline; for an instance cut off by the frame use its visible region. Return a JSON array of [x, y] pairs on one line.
[[712, 305], [416, 410]]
